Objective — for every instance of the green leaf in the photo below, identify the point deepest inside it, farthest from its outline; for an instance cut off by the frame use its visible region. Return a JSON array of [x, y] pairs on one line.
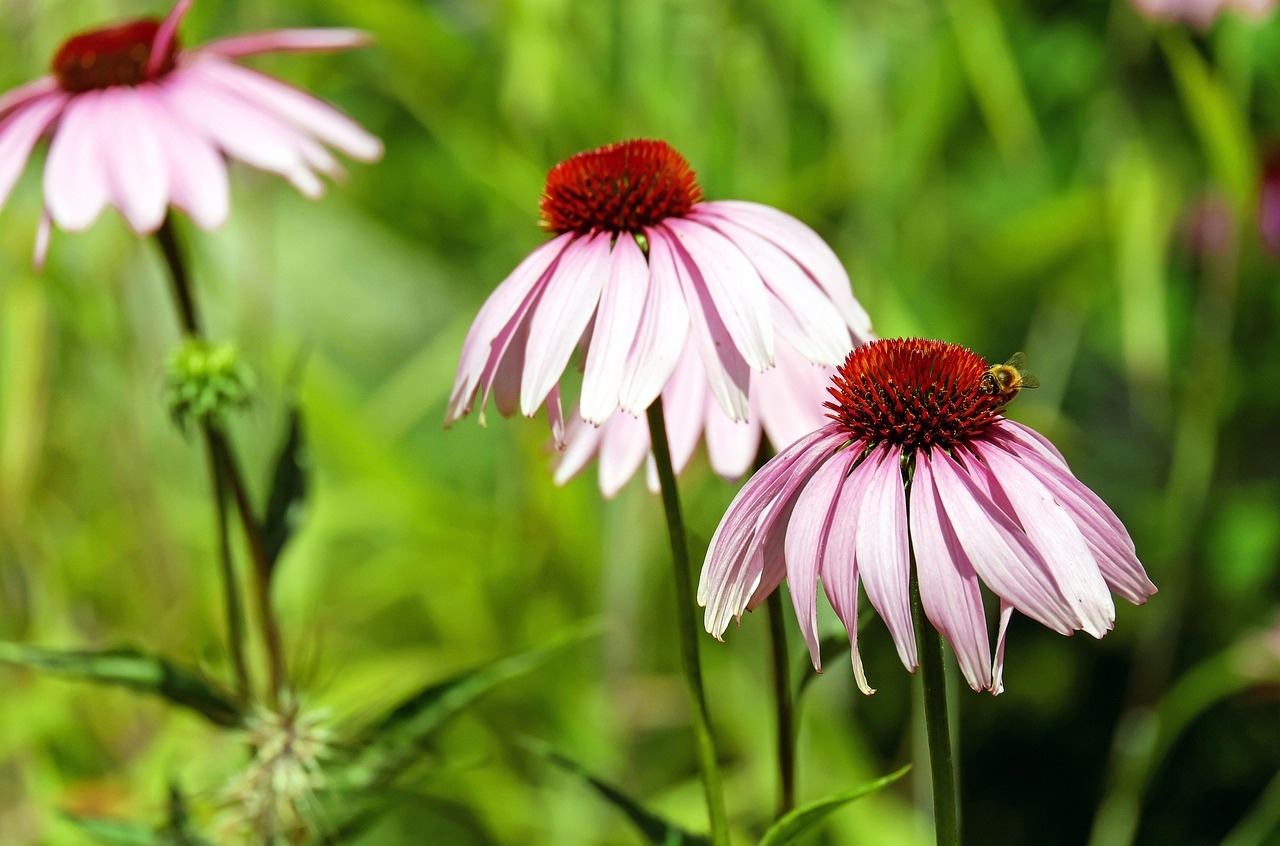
[[808, 816], [288, 490], [135, 670], [398, 739], [115, 831], [654, 828]]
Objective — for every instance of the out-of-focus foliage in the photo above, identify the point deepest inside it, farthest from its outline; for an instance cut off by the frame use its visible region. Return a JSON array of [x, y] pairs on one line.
[[1063, 178]]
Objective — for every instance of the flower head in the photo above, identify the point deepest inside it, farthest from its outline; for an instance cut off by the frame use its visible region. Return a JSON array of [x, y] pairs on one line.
[[141, 124], [642, 274], [1201, 13], [918, 467]]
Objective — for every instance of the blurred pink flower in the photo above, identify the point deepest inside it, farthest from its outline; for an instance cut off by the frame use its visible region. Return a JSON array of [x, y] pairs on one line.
[[140, 124], [641, 274], [1201, 13], [1269, 203], [918, 464]]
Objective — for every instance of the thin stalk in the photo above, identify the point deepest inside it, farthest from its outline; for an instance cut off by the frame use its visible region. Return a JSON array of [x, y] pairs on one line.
[[941, 763], [783, 704], [689, 629], [227, 469], [234, 610]]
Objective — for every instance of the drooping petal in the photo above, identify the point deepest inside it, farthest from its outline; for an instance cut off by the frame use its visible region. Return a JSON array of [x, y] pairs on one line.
[[306, 112], [36, 89], [728, 373], [561, 315], [617, 321], [684, 404], [19, 132], [788, 400], [840, 561], [75, 186], [883, 548], [286, 41], [801, 311], [660, 337], [734, 290], [997, 548], [582, 440], [44, 233], [997, 669], [1055, 536], [731, 444], [132, 158], [163, 41], [197, 173], [806, 543], [1028, 438], [624, 444], [805, 246], [504, 305], [949, 590]]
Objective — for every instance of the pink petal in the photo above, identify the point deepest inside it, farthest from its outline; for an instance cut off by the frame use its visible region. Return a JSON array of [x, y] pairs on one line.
[[806, 543], [840, 561], [805, 246], [507, 302], [660, 337], [19, 133], [715, 264], [731, 445], [564, 310], [44, 232], [1030, 439], [997, 669], [684, 405], [617, 321], [132, 158], [802, 312], [165, 34], [1055, 536], [241, 129], [581, 441], [997, 548], [197, 173], [949, 590], [789, 398], [36, 89], [287, 41], [309, 114], [728, 577], [555, 417], [728, 373], [75, 184], [883, 547], [502, 376], [623, 447]]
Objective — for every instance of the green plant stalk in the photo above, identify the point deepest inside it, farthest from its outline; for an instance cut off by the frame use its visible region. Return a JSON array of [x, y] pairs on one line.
[[689, 630], [941, 762], [224, 457], [234, 610], [783, 704]]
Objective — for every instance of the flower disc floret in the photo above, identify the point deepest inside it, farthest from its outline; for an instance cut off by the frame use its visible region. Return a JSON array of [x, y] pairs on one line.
[[913, 393], [620, 187], [117, 55]]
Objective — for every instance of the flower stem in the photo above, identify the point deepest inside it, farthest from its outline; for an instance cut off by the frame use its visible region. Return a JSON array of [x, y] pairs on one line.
[[941, 764], [783, 704], [234, 610], [227, 470], [689, 630]]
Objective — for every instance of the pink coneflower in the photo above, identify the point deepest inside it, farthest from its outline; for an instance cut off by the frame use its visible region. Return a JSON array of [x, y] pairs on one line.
[[918, 464], [140, 124], [641, 269], [1201, 13], [785, 403]]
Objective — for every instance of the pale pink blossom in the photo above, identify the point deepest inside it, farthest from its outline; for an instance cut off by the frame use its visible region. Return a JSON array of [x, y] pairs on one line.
[[140, 124], [642, 274], [1201, 13], [918, 467]]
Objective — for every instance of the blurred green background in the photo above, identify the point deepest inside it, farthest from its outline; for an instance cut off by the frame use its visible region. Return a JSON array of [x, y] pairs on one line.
[[1066, 178]]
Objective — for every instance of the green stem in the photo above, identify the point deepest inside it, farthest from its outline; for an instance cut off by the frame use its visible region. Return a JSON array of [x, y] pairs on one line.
[[783, 704], [689, 629], [941, 764], [227, 469], [235, 612]]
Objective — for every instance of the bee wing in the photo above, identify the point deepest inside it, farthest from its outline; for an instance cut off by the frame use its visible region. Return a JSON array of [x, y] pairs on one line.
[[1018, 361], [1028, 380]]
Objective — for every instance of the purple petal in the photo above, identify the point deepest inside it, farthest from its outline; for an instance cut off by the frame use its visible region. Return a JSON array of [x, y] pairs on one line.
[[133, 159], [840, 561], [734, 289], [563, 312], [1029, 438], [788, 399], [684, 406], [660, 337], [287, 41], [163, 41], [949, 590], [805, 246], [507, 303], [728, 373], [308, 113], [36, 89], [19, 132], [1055, 536], [997, 548], [623, 446], [883, 547], [75, 185], [997, 669], [731, 445], [197, 172], [581, 441], [617, 321]]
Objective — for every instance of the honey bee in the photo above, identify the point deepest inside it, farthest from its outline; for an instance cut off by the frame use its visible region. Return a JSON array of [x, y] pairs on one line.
[[1005, 380]]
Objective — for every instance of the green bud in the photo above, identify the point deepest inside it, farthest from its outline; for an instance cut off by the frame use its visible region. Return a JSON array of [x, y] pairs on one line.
[[205, 382]]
